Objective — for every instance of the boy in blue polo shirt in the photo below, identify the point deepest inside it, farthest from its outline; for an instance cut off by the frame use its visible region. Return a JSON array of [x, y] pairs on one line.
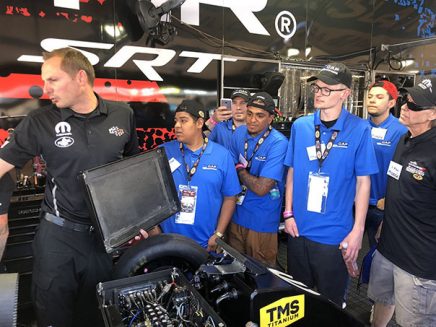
[[386, 131], [330, 157], [222, 133], [205, 177], [259, 151]]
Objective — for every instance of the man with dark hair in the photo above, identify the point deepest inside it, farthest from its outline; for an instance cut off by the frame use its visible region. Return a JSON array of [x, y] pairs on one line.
[[386, 131], [205, 177], [330, 157], [403, 271], [222, 133], [259, 151], [78, 131]]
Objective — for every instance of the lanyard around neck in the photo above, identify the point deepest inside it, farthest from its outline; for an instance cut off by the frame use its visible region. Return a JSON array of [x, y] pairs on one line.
[[258, 144], [321, 156], [191, 171]]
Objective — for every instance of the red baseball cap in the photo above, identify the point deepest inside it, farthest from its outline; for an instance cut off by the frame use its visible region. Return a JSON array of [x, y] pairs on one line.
[[388, 86]]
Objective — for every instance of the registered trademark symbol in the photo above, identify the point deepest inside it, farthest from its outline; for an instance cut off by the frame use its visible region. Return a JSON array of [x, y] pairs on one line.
[[286, 25]]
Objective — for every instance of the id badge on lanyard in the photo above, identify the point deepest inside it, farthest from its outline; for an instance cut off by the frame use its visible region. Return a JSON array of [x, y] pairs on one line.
[[318, 189], [188, 201]]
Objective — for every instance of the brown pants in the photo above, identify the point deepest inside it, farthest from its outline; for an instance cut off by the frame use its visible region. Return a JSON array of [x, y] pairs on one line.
[[261, 246]]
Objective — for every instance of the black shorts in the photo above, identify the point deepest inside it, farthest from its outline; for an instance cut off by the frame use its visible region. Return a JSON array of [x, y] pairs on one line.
[[319, 266]]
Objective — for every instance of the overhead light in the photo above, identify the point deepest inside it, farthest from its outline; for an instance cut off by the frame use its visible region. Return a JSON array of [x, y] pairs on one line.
[[293, 52], [407, 62], [308, 50], [115, 31]]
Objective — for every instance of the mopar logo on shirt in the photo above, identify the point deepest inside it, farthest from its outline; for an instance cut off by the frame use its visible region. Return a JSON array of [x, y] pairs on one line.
[[63, 134]]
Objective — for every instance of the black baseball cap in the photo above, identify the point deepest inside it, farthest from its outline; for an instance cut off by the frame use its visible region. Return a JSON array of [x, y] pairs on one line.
[[191, 107], [263, 101], [244, 94], [334, 73], [423, 94]]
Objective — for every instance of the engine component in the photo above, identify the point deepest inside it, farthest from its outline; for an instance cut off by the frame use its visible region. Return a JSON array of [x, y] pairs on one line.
[[161, 299]]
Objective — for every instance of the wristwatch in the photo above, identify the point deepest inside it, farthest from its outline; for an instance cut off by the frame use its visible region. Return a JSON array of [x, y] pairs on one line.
[[220, 235]]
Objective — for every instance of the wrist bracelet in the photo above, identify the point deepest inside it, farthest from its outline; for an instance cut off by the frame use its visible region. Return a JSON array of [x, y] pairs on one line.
[[213, 121], [288, 217], [239, 166], [288, 214], [220, 235]]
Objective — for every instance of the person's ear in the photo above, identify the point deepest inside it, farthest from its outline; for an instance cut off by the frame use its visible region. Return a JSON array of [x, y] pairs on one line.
[[81, 77]]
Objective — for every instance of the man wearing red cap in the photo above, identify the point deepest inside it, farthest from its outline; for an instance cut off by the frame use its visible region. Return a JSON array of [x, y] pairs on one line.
[[386, 131], [403, 271]]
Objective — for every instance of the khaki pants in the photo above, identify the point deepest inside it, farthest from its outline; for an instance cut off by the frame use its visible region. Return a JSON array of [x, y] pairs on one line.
[[261, 246]]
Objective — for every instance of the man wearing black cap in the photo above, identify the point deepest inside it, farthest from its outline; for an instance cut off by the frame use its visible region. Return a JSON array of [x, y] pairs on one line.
[[330, 157], [403, 271], [205, 177], [259, 151], [222, 133]]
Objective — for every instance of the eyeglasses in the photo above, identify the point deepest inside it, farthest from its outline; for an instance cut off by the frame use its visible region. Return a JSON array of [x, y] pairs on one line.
[[324, 90], [404, 99]]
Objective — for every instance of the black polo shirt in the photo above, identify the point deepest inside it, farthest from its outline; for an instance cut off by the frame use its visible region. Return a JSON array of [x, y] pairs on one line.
[[7, 186], [408, 236], [70, 143]]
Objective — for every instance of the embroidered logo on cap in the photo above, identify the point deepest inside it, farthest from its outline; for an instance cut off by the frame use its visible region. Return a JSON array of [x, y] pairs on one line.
[[426, 84]]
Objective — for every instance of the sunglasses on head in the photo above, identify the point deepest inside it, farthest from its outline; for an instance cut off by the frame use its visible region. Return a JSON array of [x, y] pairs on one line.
[[404, 99]]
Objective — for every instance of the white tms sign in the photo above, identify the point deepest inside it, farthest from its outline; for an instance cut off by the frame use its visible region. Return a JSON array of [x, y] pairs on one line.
[[126, 53], [243, 10]]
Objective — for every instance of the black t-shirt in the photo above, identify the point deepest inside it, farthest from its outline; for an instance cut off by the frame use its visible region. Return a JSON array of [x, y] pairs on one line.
[[70, 143], [7, 186], [408, 236]]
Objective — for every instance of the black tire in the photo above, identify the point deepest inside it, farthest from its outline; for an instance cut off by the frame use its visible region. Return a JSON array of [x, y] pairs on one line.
[[160, 252]]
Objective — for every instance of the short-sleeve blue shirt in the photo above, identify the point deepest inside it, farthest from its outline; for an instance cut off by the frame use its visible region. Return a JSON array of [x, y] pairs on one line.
[[384, 152], [352, 155], [261, 213], [223, 133], [215, 178]]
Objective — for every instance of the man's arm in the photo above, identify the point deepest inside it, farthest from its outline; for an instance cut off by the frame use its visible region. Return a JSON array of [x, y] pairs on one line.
[[220, 114], [259, 185], [7, 186], [354, 238], [227, 209], [4, 233], [290, 223]]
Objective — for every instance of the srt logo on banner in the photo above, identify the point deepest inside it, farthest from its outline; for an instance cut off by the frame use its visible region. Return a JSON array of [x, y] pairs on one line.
[[125, 53]]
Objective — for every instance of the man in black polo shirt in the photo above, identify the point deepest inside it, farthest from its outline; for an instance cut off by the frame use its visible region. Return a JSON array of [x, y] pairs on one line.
[[403, 272], [79, 131]]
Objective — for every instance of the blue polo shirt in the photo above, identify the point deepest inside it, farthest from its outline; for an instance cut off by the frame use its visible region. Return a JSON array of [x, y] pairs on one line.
[[215, 178], [384, 146], [223, 133], [352, 155], [261, 213]]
